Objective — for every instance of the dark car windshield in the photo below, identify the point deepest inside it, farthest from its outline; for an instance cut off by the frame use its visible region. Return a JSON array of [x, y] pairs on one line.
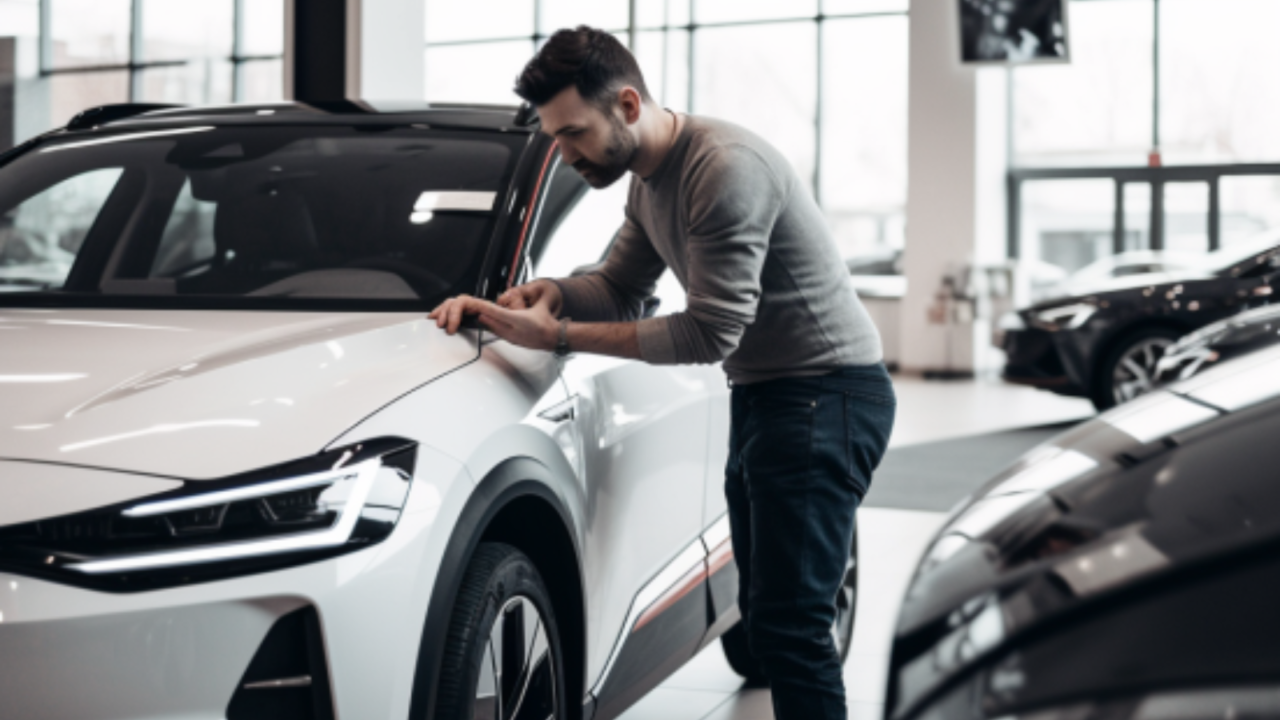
[[263, 216]]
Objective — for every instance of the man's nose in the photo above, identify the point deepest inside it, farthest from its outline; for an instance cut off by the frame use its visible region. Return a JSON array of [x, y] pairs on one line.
[[567, 156]]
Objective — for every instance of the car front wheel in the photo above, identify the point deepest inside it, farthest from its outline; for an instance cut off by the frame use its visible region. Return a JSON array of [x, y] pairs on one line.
[[502, 655], [738, 652], [1129, 368]]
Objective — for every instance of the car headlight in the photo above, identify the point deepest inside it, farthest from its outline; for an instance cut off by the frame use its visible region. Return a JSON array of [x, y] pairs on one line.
[[1065, 317], [336, 502]]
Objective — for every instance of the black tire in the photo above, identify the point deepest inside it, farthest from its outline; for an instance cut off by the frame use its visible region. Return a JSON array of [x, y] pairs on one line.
[[738, 652], [1117, 381], [499, 594]]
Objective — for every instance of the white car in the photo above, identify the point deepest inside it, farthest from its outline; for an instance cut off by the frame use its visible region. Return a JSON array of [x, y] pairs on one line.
[[243, 476]]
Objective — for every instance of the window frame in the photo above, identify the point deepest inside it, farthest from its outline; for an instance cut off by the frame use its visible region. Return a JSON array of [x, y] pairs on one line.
[[670, 31], [136, 65], [1155, 173]]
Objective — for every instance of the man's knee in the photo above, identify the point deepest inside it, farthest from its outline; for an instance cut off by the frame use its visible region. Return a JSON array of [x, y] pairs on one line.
[[782, 638]]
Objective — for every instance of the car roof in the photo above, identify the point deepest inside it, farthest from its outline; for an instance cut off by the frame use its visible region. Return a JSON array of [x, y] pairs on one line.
[[501, 118]]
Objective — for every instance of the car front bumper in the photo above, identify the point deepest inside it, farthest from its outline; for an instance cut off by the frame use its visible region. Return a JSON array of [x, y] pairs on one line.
[[72, 653], [1032, 358]]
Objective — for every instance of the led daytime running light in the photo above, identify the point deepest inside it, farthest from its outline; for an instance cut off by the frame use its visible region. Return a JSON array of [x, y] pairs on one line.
[[1067, 317], [366, 474], [220, 497]]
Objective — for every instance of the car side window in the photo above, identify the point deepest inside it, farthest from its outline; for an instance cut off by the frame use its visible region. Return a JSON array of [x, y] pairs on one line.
[[584, 227], [40, 236], [583, 231]]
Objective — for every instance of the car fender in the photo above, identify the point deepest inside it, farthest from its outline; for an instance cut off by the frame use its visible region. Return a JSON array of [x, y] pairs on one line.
[[484, 416], [510, 480]]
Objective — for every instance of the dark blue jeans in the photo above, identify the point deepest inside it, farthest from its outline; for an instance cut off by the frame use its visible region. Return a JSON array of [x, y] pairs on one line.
[[801, 453]]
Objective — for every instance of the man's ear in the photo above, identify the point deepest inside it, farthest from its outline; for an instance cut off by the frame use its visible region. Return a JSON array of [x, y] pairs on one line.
[[630, 102]]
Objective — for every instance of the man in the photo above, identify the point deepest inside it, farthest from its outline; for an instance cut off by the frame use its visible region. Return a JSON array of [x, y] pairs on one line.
[[812, 405]]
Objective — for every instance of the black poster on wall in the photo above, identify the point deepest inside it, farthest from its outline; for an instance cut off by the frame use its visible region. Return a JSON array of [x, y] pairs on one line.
[[1013, 31]]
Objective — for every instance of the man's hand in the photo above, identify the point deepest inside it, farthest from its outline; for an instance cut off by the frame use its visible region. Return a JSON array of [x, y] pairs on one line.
[[533, 327], [538, 292], [449, 314]]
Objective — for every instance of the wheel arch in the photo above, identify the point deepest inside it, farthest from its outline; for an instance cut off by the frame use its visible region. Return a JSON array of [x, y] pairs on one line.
[[1120, 334], [1104, 350], [515, 503]]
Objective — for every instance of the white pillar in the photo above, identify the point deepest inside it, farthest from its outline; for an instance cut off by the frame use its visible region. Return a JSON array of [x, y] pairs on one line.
[[957, 139], [386, 49]]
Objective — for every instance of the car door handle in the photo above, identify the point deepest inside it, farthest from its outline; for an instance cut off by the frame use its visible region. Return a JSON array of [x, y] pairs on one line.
[[562, 412]]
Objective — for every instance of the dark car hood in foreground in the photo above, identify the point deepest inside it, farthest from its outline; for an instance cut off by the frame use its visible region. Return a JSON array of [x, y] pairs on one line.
[[1164, 485]]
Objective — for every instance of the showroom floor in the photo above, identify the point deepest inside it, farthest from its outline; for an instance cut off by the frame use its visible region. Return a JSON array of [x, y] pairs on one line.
[[893, 531]]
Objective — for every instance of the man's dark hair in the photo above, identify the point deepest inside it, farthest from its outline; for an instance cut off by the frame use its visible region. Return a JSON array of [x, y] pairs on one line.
[[591, 60]]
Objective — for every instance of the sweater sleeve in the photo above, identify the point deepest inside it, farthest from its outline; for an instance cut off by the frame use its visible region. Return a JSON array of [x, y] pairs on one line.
[[616, 289], [734, 199]]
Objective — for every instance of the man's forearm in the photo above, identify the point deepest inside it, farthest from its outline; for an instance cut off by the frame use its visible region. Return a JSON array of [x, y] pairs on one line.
[[618, 339]]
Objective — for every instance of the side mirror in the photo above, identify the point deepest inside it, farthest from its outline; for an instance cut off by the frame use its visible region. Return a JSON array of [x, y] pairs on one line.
[[650, 307]]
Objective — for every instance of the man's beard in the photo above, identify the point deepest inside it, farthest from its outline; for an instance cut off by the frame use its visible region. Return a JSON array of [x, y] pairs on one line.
[[618, 154]]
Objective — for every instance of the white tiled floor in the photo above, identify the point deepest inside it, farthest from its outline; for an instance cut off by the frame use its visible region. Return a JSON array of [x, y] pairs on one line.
[[890, 543], [932, 410]]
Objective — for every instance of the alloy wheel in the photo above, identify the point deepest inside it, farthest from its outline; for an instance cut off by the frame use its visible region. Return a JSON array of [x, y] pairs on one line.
[[1135, 371], [517, 674]]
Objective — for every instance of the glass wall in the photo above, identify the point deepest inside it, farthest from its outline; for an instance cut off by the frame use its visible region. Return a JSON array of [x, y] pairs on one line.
[[93, 52], [1170, 105], [1097, 109], [825, 81]]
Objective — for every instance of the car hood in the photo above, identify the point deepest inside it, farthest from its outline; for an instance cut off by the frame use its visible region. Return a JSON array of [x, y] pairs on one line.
[[1173, 479], [1072, 291], [203, 394]]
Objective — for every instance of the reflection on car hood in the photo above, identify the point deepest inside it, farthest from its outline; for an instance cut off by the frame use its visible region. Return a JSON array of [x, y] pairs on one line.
[[203, 394], [1070, 290]]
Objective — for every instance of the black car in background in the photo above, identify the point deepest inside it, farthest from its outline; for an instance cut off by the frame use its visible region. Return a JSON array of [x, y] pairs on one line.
[[1238, 335], [1127, 569], [1105, 345]]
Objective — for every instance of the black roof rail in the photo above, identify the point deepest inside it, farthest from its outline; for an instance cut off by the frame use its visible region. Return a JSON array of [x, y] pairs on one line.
[[107, 113]]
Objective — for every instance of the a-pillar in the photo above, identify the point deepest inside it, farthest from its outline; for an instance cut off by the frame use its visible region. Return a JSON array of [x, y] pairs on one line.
[[355, 50], [957, 162]]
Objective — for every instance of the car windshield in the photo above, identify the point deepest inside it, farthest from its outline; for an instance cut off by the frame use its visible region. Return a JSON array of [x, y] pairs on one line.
[[265, 216]]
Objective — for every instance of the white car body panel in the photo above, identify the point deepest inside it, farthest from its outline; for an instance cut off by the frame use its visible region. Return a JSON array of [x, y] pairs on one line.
[[204, 394], [632, 518], [644, 439], [34, 491]]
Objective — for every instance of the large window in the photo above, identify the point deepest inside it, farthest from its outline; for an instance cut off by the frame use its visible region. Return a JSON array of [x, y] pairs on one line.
[[1159, 135], [825, 81], [94, 52]]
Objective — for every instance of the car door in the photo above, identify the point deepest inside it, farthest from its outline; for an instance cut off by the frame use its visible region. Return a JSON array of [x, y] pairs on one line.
[[643, 434]]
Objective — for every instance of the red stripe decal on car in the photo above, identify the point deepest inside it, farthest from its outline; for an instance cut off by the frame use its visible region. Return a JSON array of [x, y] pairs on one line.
[[682, 587], [528, 216]]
